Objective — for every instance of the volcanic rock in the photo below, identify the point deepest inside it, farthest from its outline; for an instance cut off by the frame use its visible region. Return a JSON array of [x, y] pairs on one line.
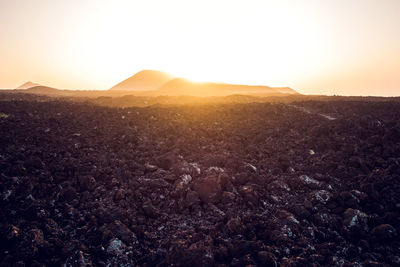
[[68, 194], [209, 189], [116, 247], [192, 198], [267, 258], [234, 226], [149, 209], [119, 230], [75, 189], [33, 163], [355, 218], [87, 183], [384, 232]]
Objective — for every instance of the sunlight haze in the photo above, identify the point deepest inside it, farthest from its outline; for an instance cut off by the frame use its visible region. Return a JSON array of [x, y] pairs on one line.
[[315, 47]]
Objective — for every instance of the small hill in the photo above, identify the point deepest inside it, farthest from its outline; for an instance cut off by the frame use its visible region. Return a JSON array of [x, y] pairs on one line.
[[145, 80], [43, 90], [180, 86], [27, 85]]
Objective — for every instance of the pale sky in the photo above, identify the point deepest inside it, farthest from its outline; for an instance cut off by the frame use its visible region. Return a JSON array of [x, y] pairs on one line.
[[346, 47]]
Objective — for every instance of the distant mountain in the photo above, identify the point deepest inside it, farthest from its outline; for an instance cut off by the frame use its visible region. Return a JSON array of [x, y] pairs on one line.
[[43, 90], [145, 80], [27, 85], [180, 86], [152, 82]]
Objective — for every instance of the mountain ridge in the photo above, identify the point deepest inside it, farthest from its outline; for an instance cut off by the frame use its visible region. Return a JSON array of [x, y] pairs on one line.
[[163, 83], [181, 86]]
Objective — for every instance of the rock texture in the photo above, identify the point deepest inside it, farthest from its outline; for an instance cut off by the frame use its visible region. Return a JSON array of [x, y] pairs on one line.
[[227, 185]]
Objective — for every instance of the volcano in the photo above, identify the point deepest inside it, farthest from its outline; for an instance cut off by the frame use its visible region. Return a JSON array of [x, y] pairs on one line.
[[27, 85], [161, 83], [145, 80]]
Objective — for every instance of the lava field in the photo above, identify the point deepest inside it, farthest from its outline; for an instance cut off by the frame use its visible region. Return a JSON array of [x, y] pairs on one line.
[[263, 184]]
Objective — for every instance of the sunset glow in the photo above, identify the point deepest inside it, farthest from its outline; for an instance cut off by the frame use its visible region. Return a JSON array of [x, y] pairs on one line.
[[316, 47]]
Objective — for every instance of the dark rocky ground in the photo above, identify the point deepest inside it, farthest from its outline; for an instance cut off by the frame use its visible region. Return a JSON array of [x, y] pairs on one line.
[[238, 184]]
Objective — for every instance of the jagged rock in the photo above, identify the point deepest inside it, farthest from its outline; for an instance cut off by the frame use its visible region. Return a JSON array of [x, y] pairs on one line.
[[116, 247], [250, 167], [149, 209], [84, 259], [192, 198], [195, 255], [393, 134], [119, 194], [349, 200], [248, 192], [309, 182], [235, 184], [13, 233], [166, 161], [157, 183], [33, 163], [354, 218], [150, 168], [384, 232], [228, 197], [267, 259], [300, 211], [320, 197], [87, 183], [36, 236], [119, 230], [355, 222], [209, 189], [234, 226], [68, 194], [183, 181]]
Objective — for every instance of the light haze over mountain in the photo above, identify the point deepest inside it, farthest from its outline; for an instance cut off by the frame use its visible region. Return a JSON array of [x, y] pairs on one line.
[[27, 85], [180, 86], [145, 80], [164, 84], [318, 47]]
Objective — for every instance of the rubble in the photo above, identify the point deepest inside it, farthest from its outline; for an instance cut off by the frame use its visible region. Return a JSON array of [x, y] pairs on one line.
[[259, 184]]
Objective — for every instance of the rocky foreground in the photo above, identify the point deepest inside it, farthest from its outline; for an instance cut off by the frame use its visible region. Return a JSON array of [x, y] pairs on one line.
[[312, 183]]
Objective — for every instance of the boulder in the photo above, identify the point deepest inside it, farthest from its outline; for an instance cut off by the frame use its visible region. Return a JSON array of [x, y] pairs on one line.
[[116, 247], [353, 218], [208, 188]]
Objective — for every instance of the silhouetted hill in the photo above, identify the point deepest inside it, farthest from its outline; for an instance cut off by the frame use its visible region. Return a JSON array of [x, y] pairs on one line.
[[180, 86], [145, 80], [45, 90], [151, 83], [27, 85], [156, 83]]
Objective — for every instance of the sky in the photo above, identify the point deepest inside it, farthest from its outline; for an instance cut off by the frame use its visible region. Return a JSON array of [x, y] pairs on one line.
[[343, 47]]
